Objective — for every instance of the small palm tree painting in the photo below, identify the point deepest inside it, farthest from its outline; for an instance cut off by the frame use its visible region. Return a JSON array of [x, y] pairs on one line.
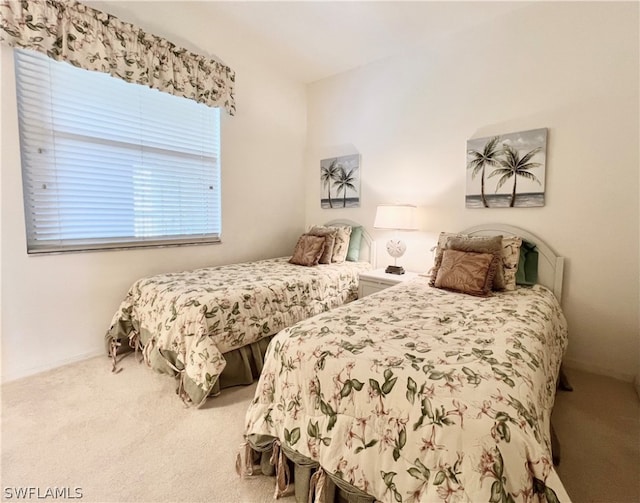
[[340, 182], [507, 171]]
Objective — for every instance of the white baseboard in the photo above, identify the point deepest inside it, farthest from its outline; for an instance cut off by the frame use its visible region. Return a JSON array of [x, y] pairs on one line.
[[20, 373], [595, 369]]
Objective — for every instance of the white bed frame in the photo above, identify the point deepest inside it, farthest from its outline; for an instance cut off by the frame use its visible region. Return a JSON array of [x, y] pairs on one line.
[[367, 245], [550, 265]]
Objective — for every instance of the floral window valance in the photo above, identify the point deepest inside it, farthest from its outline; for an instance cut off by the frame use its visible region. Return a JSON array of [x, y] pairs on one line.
[[87, 38]]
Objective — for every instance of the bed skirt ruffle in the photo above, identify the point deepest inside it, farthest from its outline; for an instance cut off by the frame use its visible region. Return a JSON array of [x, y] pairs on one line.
[[295, 474], [243, 367]]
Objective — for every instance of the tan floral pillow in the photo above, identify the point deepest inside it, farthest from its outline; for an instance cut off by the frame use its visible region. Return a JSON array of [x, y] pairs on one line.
[[329, 235], [510, 258], [341, 246], [467, 272], [308, 250]]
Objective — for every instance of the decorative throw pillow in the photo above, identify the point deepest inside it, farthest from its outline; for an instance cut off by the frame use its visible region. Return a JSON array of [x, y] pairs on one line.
[[440, 247], [353, 253], [527, 273], [308, 250], [341, 246], [506, 275], [510, 258], [329, 242], [462, 242], [481, 244], [467, 272]]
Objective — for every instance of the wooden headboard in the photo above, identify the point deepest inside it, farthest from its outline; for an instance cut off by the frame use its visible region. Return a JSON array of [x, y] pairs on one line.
[[550, 265], [367, 245]]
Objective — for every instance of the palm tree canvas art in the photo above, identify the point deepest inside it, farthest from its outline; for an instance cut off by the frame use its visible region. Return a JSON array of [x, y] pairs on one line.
[[340, 182], [507, 171]]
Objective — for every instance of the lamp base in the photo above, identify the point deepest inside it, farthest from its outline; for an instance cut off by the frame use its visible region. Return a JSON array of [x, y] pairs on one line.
[[394, 269]]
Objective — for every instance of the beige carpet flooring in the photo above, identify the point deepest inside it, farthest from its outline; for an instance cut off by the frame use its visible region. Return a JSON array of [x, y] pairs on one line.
[[598, 425], [128, 438]]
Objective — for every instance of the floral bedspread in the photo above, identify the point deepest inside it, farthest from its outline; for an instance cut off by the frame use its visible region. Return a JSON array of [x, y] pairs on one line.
[[418, 394], [186, 321]]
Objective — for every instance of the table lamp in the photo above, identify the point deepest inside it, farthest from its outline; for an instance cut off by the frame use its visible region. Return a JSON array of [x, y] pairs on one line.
[[397, 217]]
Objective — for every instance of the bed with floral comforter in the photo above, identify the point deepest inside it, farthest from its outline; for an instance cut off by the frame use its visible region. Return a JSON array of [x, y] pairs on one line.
[[417, 394], [185, 322]]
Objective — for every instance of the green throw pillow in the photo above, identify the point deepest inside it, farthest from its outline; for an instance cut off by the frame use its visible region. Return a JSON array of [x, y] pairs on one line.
[[527, 273], [353, 255]]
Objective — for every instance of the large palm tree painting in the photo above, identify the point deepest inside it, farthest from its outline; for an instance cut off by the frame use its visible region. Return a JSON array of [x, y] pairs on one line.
[[507, 170], [340, 182]]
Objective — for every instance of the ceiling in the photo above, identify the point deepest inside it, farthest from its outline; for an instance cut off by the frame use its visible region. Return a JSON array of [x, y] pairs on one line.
[[311, 40], [318, 39]]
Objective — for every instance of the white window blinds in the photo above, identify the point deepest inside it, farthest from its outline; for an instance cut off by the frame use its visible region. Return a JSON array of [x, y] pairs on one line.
[[109, 164]]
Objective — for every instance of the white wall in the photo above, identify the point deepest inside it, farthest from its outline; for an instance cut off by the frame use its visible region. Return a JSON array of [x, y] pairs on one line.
[[56, 309], [571, 67]]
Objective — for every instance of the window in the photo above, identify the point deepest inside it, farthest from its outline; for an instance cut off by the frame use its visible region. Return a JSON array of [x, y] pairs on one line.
[[108, 164]]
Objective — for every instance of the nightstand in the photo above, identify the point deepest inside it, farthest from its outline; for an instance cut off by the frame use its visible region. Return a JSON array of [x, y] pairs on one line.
[[376, 280]]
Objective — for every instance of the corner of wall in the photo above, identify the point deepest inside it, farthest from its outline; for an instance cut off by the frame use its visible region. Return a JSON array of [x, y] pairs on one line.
[[601, 370]]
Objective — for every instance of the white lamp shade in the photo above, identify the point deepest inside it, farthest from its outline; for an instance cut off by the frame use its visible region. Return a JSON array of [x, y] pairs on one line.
[[400, 217]]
